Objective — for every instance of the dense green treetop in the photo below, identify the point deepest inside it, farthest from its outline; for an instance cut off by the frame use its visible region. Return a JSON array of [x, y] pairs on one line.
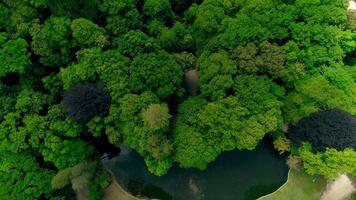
[[14, 56], [258, 64]]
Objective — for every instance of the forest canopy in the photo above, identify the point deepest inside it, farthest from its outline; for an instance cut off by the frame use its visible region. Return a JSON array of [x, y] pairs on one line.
[[76, 72]]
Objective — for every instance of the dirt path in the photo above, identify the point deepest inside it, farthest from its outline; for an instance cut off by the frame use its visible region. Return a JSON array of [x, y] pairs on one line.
[[339, 189], [116, 192]]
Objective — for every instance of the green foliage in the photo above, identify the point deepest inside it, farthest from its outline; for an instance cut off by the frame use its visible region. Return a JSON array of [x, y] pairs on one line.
[[318, 44], [122, 16], [156, 72], [22, 178], [328, 91], [156, 116], [86, 33], [23, 18], [187, 60], [150, 142], [216, 74], [13, 57], [177, 38], [4, 16], [78, 175], [329, 163], [238, 121], [235, 126], [157, 8], [29, 101], [266, 59], [191, 148], [51, 41], [241, 30], [69, 8], [135, 42], [282, 144]]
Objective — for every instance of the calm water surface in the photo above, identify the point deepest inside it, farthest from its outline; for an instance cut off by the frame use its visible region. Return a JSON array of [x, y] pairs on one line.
[[235, 175]]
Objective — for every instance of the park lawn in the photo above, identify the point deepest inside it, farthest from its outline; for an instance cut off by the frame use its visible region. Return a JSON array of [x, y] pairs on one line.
[[299, 186]]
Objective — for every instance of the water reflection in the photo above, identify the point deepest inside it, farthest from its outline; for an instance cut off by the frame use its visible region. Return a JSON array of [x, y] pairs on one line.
[[236, 175]]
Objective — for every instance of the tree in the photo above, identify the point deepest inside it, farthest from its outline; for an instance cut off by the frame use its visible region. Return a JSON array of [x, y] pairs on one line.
[[122, 16], [216, 74], [332, 13], [277, 20], [330, 163], [150, 142], [29, 101], [86, 33], [51, 41], [4, 17], [177, 38], [65, 153], [266, 59], [69, 8], [114, 7], [187, 60], [238, 121], [208, 18], [160, 9], [13, 57], [22, 177], [320, 92], [282, 144], [86, 101], [318, 44], [326, 129], [235, 126], [135, 42], [192, 150], [22, 18], [157, 72], [156, 116], [110, 67], [242, 30]]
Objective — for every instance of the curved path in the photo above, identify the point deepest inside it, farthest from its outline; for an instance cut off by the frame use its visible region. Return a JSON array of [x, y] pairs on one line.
[[340, 189], [116, 192]]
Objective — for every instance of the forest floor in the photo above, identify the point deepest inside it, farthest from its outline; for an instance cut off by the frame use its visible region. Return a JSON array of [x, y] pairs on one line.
[[340, 189], [299, 186]]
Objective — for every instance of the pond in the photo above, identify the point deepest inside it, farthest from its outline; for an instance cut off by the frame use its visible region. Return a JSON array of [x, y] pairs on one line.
[[235, 175]]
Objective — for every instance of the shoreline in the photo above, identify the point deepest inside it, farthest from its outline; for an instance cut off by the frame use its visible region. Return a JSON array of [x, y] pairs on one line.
[[115, 192]]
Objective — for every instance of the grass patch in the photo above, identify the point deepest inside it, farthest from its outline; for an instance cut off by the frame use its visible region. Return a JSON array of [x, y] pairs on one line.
[[299, 186]]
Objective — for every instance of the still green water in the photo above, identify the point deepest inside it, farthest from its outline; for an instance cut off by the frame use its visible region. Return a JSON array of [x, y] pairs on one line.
[[235, 175]]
